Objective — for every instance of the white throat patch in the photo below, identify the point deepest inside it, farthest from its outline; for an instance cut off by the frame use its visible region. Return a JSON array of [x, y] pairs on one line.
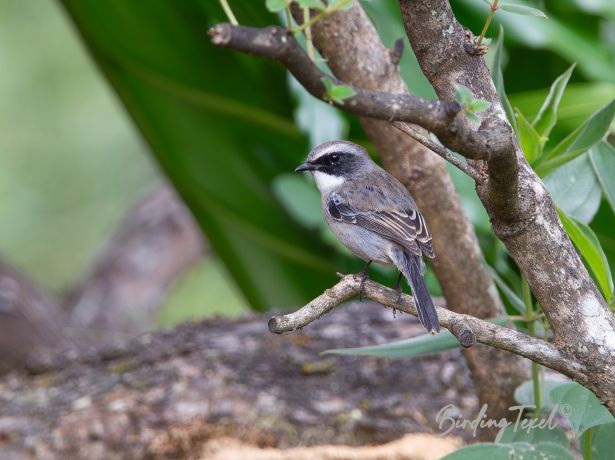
[[327, 182]]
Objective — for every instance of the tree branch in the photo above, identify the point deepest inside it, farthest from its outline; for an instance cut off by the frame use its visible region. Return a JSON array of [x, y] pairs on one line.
[[491, 142], [466, 328], [356, 55], [440, 45], [526, 220], [439, 150]]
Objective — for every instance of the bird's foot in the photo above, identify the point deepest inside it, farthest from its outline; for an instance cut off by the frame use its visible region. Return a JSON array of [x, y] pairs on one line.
[[364, 278], [398, 288], [399, 293]]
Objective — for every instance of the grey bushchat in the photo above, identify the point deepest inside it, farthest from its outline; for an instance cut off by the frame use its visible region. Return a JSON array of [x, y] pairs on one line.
[[374, 216]]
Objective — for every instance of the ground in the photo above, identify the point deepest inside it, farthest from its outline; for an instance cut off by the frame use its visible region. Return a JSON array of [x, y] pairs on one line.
[[180, 393]]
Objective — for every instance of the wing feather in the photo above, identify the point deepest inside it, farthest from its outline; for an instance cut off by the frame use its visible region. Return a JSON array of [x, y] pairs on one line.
[[406, 228]]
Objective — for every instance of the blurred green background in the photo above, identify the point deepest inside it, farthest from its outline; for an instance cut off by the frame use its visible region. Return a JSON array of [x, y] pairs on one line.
[[72, 162], [89, 96]]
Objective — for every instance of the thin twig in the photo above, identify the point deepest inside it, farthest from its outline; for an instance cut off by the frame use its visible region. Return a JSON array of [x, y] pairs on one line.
[[439, 117], [307, 22], [308, 34], [493, 8], [439, 150], [464, 327], [229, 13], [492, 141]]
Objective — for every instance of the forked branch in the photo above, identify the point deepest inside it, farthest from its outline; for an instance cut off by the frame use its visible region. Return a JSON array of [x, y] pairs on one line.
[[493, 139]]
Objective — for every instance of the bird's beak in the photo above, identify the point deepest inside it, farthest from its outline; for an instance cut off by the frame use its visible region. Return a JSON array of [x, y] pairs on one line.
[[307, 166]]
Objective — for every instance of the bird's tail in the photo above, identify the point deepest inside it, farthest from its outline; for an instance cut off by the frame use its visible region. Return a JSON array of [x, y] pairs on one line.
[[410, 266]]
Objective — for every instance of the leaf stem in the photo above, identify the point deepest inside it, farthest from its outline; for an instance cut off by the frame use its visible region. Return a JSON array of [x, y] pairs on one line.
[[229, 13], [289, 22], [530, 317], [587, 449], [493, 8], [308, 34], [525, 319], [327, 11]]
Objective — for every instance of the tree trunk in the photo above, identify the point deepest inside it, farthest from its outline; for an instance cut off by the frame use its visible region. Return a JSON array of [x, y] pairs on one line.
[[583, 323], [355, 54]]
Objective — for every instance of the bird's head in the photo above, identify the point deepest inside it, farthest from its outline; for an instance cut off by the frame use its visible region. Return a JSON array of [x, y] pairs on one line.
[[334, 162]]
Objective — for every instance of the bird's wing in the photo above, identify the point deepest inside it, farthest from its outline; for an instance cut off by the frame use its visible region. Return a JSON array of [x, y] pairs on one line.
[[406, 228]]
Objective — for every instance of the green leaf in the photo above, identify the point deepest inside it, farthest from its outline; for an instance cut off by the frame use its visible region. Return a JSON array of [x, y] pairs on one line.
[[472, 117], [560, 36], [422, 345], [300, 198], [530, 141], [575, 189], [219, 141], [579, 141], [518, 450], [318, 4], [602, 437], [463, 95], [602, 157], [584, 408], [276, 5], [578, 102], [498, 79], [523, 10], [337, 93], [347, 4], [328, 83], [588, 245], [547, 116], [478, 105], [524, 393], [515, 433]]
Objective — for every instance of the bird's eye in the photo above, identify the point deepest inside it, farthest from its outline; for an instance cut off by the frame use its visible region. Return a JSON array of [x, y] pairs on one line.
[[334, 158]]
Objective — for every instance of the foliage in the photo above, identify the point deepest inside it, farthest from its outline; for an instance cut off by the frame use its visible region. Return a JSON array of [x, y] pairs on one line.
[[238, 194], [527, 451], [422, 345], [592, 424], [228, 138], [470, 106], [336, 93], [220, 141]]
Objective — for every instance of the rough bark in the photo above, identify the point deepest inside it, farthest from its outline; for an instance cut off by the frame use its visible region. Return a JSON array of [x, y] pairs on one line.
[[164, 394], [583, 324], [521, 211], [490, 142], [467, 329], [356, 55], [155, 243]]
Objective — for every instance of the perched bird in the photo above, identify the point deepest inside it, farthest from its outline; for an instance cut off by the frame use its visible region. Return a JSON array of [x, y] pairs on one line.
[[374, 216]]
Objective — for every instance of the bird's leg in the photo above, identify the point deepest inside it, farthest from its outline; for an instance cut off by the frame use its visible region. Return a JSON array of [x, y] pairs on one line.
[[398, 287], [364, 277]]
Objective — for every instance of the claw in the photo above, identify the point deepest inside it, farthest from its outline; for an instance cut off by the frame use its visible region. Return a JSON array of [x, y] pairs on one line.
[[364, 278]]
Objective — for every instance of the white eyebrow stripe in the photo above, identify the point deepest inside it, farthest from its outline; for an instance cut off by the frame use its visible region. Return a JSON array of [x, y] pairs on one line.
[[329, 149]]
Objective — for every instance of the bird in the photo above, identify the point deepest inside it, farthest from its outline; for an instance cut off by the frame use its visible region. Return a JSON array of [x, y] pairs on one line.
[[374, 216]]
